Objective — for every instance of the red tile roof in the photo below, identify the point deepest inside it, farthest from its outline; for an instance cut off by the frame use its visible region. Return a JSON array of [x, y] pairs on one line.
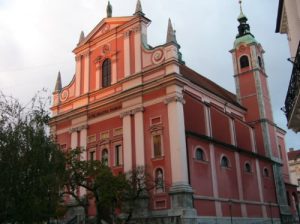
[[209, 85]]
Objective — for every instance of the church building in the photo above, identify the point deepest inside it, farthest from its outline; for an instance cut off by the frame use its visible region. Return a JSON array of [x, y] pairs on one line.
[[219, 156]]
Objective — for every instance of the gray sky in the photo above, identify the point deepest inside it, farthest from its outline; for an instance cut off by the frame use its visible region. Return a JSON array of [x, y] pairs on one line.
[[37, 38]]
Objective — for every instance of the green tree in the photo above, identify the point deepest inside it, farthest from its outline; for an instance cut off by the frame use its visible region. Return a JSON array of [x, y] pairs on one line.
[[31, 165], [109, 192]]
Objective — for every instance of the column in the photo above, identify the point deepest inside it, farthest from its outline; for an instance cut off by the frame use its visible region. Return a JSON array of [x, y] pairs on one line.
[[114, 69], [74, 139], [98, 76], [139, 136], [78, 78], [127, 143], [83, 156], [127, 53], [177, 141]]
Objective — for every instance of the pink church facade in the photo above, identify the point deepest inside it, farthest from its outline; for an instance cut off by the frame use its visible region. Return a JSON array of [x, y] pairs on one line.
[[217, 154]]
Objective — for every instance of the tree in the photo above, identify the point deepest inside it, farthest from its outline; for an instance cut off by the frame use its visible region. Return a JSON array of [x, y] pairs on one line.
[[31, 164], [110, 193]]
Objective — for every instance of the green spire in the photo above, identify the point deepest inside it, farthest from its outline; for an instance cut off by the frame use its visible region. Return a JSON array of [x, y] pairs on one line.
[[243, 28], [109, 10], [244, 35]]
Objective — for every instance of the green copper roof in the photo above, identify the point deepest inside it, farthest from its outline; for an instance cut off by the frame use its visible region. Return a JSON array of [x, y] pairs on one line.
[[241, 16], [246, 39]]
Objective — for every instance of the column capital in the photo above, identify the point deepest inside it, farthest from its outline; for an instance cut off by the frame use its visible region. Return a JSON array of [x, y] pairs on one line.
[[78, 128], [132, 111], [175, 98]]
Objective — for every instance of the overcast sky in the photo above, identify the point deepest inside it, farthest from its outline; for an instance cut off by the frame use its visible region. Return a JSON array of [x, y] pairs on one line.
[[37, 38]]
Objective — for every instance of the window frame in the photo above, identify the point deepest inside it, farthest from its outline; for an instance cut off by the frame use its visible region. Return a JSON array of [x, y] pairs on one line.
[[106, 73]]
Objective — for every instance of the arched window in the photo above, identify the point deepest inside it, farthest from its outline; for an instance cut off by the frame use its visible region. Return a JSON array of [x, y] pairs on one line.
[[266, 172], [244, 61], [106, 73], [157, 146], [248, 168], [104, 157], [224, 162], [199, 154], [159, 180]]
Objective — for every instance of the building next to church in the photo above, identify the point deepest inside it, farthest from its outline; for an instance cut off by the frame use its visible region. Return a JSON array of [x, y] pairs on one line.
[[219, 155], [288, 22]]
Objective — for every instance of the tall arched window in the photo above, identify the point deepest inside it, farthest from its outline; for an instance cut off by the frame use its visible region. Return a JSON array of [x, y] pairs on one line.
[[159, 180], [266, 172], [104, 158], [106, 73], [244, 61]]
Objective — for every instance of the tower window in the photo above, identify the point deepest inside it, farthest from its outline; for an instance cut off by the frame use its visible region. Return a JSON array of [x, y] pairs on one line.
[[106, 73], [244, 61], [224, 162], [199, 154]]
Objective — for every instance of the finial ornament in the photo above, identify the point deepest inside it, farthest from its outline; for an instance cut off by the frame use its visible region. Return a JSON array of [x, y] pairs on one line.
[[138, 9], [81, 38], [171, 35], [109, 10], [58, 86]]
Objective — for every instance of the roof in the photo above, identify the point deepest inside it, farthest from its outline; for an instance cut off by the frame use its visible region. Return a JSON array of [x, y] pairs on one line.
[[246, 39], [209, 85], [293, 155], [279, 16]]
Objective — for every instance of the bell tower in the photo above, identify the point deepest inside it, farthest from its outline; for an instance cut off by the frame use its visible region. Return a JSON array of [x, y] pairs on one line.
[[253, 93], [252, 87]]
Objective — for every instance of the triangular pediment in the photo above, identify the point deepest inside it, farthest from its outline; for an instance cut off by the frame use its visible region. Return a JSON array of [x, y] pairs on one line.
[[104, 26]]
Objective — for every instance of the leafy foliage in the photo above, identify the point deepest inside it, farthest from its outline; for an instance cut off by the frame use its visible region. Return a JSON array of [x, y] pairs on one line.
[[109, 193], [31, 165]]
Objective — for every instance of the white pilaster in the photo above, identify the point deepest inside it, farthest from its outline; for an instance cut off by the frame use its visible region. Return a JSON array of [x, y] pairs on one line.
[[98, 84], [260, 191], [83, 141], [215, 179], [127, 53], [127, 152], [83, 156], [207, 120], [240, 184], [86, 73], [138, 51], [78, 75], [114, 70], [177, 140], [139, 138]]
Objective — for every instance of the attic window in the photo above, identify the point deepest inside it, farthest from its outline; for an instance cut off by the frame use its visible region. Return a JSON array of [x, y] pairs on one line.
[[106, 73], [244, 61]]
